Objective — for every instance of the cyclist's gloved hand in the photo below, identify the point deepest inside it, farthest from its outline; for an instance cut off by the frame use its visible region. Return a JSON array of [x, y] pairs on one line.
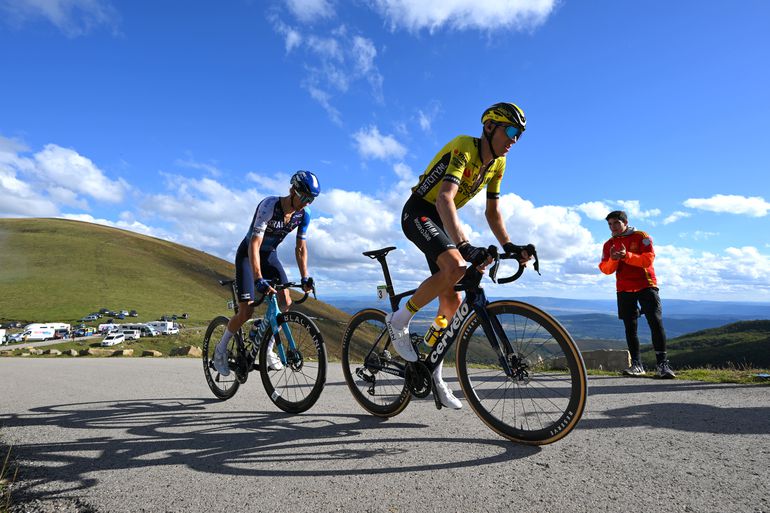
[[472, 254], [308, 284], [262, 285], [521, 252]]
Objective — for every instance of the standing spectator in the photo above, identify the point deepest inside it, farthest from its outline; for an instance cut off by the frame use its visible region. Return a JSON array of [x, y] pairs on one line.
[[629, 254]]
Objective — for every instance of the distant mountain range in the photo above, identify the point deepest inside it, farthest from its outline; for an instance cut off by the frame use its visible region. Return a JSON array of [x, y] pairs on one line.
[[594, 323]]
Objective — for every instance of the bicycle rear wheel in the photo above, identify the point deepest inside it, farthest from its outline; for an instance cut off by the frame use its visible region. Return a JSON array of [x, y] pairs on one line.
[[224, 387], [297, 386], [374, 375], [546, 397]]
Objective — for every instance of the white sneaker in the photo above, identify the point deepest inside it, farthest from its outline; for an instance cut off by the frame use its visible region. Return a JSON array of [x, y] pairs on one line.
[[273, 361], [220, 362], [446, 396], [401, 341]]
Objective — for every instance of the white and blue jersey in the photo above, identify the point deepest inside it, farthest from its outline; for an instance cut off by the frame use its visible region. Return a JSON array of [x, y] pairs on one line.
[[268, 223]]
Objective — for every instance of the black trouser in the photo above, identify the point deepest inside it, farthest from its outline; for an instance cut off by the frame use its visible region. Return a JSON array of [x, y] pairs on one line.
[[649, 301]]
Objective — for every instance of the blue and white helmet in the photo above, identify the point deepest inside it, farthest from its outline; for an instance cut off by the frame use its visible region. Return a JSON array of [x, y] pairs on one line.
[[305, 182]]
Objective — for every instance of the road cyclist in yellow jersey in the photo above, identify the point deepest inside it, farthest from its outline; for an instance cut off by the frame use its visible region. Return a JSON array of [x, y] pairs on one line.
[[429, 219]]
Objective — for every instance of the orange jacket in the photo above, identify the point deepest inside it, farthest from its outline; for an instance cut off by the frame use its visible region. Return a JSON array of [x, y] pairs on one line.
[[635, 272]]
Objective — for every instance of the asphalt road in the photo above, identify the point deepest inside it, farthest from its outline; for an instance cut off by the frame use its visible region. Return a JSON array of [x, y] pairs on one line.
[[135, 435]]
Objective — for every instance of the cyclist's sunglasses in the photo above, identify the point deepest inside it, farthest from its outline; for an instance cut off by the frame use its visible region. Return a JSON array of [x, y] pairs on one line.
[[305, 199], [512, 132]]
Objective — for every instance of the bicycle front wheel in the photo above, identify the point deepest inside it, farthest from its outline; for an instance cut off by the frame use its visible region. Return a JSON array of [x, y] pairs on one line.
[[297, 386], [374, 375], [224, 387], [545, 398]]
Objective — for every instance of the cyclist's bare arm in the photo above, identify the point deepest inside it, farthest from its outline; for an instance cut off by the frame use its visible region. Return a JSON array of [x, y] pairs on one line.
[[445, 205], [300, 251], [495, 221]]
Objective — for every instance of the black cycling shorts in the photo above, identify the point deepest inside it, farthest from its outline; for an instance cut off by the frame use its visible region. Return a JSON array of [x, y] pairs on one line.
[[244, 277], [629, 303], [422, 225]]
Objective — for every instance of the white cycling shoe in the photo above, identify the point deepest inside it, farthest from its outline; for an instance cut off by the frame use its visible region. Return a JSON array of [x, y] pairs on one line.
[[401, 342], [446, 396], [220, 362]]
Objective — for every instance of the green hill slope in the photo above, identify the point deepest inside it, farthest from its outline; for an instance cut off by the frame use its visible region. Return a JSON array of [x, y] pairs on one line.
[[61, 270], [745, 343]]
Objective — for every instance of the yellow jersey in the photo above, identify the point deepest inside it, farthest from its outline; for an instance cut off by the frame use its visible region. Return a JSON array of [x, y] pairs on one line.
[[459, 163]]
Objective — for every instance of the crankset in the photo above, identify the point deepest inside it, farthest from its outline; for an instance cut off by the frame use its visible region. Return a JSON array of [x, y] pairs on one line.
[[242, 368], [418, 379]]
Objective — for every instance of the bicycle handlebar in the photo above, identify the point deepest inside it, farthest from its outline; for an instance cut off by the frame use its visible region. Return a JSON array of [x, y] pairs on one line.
[[531, 251], [282, 286]]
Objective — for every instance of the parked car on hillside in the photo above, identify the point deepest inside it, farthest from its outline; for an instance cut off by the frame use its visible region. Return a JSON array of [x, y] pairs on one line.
[[88, 318], [132, 334], [113, 339], [133, 313], [15, 337]]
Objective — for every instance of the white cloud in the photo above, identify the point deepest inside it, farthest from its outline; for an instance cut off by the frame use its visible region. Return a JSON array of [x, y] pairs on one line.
[[676, 216], [634, 210], [483, 15], [372, 144], [307, 11], [595, 210], [67, 168], [698, 235], [754, 206], [737, 272], [73, 17], [40, 184], [332, 62]]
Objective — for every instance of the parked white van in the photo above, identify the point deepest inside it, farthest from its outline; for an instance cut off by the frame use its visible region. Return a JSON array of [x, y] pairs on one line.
[[131, 334], [112, 339], [108, 328], [165, 327]]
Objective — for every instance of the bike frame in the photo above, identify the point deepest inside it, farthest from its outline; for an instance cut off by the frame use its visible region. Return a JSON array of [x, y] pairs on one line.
[[475, 300], [274, 317]]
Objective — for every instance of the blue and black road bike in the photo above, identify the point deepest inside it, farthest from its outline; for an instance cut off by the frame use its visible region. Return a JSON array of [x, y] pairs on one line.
[[298, 384]]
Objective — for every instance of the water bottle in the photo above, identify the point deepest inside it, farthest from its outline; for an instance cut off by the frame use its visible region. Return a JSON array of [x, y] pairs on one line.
[[436, 330]]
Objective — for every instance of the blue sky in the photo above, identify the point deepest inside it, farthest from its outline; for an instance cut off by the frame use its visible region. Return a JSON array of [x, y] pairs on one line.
[[175, 118]]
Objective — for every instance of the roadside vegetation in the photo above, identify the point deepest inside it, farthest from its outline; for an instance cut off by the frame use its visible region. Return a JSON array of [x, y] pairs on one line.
[[8, 473]]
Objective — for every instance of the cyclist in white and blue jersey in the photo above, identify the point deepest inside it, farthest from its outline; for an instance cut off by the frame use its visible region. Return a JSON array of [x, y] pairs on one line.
[[256, 260]]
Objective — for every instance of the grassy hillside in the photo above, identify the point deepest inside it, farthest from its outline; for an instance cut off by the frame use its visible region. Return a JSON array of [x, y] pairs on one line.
[[741, 344], [60, 270]]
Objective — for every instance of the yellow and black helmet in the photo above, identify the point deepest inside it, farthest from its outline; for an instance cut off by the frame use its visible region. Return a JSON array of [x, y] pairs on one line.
[[507, 113]]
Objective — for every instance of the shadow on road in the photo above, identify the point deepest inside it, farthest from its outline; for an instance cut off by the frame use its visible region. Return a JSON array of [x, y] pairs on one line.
[[692, 418], [153, 433]]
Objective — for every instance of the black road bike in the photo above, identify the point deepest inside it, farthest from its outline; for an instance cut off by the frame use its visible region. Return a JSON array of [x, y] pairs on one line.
[[519, 369], [299, 345]]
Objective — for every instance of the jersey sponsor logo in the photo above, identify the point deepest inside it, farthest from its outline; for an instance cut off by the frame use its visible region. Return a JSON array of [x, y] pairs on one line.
[[426, 228], [431, 179], [646, 241], [459, 161]]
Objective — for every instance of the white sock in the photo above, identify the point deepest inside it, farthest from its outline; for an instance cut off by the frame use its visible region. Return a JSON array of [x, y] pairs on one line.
[[437, 371], [401, 318], [222, 346]]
